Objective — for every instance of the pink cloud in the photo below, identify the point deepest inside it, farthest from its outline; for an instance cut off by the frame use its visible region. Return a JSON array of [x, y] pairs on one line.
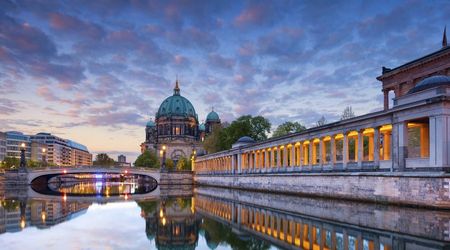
[[252, 15]]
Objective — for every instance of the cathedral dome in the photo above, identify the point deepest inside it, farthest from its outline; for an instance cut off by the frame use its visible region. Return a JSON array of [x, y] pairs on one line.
[[202, 127], [430, 82], [176, 105], [212, 117], [150, 124]]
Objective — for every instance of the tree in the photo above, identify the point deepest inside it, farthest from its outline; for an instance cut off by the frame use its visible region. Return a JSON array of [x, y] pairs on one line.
[[256, 127], [10, 162], [322, 121], [103, 159], [148, 159], [211, 143], [288, 128], [184, 164], [348, 113], [170, 164]]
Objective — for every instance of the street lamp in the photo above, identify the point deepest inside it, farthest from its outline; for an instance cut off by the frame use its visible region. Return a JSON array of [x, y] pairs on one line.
[[23, 162], [44, 160], [162, 153]]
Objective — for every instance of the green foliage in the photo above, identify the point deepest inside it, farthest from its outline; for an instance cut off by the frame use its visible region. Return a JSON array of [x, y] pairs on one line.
[[148, 159], [217, 233], [184, 164], [103, 159], [212, 141], [10, 162], [170, 164], [149, 207], [256, 127], [347, 113], [288, 128]]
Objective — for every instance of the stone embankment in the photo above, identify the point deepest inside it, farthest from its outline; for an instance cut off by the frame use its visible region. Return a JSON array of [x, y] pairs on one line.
[[430, 189]]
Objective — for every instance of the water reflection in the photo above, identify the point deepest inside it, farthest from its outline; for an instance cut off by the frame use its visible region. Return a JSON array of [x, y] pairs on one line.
[[211, 218]]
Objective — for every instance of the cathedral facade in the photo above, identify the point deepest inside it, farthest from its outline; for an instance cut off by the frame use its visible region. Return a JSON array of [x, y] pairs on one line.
[[177, 129]]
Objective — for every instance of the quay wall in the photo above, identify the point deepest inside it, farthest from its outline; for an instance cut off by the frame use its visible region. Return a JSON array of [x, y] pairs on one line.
[[176, 178], [419, 189]]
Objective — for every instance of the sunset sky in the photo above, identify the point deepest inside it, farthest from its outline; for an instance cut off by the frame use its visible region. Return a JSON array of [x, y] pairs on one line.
[[96, 71]]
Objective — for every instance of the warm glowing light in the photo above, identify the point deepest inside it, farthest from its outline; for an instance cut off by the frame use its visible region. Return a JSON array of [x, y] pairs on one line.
[[353, 133], [368, 131], [195, 152], [161, 214], [339, 136], [43, 150], [164, 221], [161, 152], [126, 197], [22, 223], [43, 216], [126, 171], [327, 138], [64, 197], [164, 147], [65, 171], [22, 145], [386, 128], [316, 140]]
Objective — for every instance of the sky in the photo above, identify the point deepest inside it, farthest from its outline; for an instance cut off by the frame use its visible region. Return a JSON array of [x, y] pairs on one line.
[[97, 71]]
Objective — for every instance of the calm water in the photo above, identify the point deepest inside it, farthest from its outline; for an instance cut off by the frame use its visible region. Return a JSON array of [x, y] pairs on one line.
[[130, 215]]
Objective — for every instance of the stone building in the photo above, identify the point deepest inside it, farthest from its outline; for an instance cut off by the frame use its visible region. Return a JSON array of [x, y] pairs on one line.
[[177, 127], [403, 78]]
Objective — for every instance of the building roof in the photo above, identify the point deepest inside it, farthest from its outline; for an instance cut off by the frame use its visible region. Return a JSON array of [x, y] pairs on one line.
[[201, 127], [77, 145], [387, 71], [245, 139], [176, 105], [150, 124], [212, 117], [430, 82]]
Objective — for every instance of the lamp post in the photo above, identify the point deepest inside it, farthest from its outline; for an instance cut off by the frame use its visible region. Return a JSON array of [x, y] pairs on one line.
[[44, 160], [194, 153], [23, 162], [162, 153]]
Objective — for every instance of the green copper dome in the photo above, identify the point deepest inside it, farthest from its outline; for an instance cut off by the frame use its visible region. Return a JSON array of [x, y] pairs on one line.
[[212, 116], [201, 127], [176, 105], [150, 124]]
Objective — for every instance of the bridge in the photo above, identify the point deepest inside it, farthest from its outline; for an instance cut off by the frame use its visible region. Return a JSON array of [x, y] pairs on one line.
[[33, 174]]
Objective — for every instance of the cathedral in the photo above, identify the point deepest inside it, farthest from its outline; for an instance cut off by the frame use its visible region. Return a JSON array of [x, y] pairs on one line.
[[177, 128]]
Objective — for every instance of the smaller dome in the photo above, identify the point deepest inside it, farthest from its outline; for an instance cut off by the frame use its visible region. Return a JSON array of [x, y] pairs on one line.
[[150, 124], [430, 82], [212, 117], [201, 127], [245, 139]]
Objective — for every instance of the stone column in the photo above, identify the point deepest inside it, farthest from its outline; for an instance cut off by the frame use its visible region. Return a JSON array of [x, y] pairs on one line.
[[300, 155], [266, 159], [371, 142], [439, 142], [400, 145], [278, 157], [310, 158], [293, 162], [233, 169], [321, 153], [239, 162], [360, 148], [285, 156], [386, 99], [333, 151], [376, 146], [345, 151]]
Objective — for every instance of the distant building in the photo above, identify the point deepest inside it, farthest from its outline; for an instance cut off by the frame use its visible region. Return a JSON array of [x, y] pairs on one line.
[[122, 158], [14, 140], [122, 161], [2, 146], [38, 150], [79, 154], [63, 152]]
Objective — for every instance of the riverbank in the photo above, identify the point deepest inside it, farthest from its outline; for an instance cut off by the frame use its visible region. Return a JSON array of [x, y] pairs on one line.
[[430, 189]]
